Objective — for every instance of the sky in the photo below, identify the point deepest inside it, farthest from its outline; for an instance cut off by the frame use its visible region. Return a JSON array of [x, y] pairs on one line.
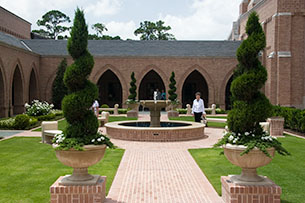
[[189, 19]]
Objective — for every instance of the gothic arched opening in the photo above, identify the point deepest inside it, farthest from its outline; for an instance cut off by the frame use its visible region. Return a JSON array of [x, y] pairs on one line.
[[195, 82], [228, 95], [17, 92], [2, 109], [33, 93], [150, 82], [110, 89]]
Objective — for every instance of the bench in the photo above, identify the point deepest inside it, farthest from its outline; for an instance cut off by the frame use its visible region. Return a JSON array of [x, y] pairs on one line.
[[49, 130]]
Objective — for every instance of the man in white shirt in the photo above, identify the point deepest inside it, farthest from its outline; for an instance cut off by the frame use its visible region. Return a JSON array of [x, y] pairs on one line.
[[95, 107], [198, 108]]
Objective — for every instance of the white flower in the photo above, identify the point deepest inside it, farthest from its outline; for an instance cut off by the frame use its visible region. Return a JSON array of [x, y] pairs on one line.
[[102, 138], [231, 138], [93, 140], [239, 134], [253, 135], [246, 133], [99, 139]]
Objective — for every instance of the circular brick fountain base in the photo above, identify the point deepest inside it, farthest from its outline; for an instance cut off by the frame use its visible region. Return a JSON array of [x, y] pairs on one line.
[[174, 131]]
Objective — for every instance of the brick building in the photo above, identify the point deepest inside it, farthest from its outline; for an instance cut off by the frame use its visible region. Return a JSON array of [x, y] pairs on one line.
[[283, 22], [28, 66]]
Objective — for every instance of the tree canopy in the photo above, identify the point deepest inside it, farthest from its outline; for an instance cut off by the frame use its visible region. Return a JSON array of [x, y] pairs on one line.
[[154, 31], [53, 22]]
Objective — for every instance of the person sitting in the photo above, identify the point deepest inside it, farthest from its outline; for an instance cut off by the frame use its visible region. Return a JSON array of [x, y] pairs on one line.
[[198, 108]]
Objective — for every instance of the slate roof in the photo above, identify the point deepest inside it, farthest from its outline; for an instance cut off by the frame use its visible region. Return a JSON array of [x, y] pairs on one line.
[[130, 48], [11, 40]]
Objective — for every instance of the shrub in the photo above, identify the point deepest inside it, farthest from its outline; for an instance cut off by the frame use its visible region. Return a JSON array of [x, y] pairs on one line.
[[105, 106], [48, 117], [82, 124], [181, 111], [133, 89], [172, 89], [294, 118], [122, 111], [22, 121], [38, 108], [220, 111], [7, 123], [57, 112], [250, 106], [59, 89], [33, 121]]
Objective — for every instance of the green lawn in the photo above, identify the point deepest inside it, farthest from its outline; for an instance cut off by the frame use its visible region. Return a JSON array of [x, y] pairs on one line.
[[28, 168], [63, 123], [191, 118], [214, 116], [286, 171]]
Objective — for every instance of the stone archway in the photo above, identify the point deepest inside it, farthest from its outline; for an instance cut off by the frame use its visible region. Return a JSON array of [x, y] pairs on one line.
[[17, 92], [110, 89], [33, 93], [2, 105], [228, 94], [195, 82], [150, 82]]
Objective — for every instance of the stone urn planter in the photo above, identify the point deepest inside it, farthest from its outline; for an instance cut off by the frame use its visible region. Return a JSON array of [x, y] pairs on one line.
[[80, 161], [134, 110], [172, 111], [248, 162]]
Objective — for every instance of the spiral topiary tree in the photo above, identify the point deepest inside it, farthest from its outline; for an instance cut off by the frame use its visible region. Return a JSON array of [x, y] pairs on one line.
[[250, 106], [172, 88], [133, 88], [82, 123], [59, 89]]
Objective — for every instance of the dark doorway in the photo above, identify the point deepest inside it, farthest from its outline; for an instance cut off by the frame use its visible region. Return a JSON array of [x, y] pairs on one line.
[[2, 109], [149, 84], [110, 89], [17, 92], [33, 87], [228, 95], [195, 82]]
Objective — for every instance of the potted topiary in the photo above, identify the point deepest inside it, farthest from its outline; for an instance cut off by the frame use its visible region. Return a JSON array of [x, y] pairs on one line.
[[173, 97], [81, 145], [246, 144], [132, 103]]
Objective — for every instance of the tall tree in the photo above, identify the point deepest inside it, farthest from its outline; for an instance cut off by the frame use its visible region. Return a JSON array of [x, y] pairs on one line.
[[133, 88], [154, 31], [82, 123], [172, 88], [99, 28], [59, 89], [52, 21]]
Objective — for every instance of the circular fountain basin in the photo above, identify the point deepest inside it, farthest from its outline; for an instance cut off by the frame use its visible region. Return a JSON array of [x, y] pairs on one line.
[[168, 132]]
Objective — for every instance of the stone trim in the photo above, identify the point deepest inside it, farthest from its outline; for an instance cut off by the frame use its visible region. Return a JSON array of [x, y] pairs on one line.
[[283, 54], [282, 14]]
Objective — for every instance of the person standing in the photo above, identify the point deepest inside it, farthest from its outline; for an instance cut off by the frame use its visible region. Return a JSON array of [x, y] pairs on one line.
[[163, 95], [198, 108], [95, 107]]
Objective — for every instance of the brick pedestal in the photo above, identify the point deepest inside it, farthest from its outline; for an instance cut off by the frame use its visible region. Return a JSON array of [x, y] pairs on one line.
[[276, 126], [78, 194], [233, 193]]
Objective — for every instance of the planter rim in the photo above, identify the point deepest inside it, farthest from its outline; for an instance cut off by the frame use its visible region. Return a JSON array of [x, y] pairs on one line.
[[86, 147], [241, 147]]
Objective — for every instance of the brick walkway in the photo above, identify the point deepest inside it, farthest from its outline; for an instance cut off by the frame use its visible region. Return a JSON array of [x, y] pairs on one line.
[[162, 172]]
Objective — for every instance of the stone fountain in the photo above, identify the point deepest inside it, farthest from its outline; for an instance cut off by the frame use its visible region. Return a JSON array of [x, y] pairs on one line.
[[155, 107], [155, 130]]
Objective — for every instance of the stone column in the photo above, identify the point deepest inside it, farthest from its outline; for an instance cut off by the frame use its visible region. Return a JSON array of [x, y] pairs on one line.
[[116, 109], [154, 117], [188, 109], [213, 109], [276, 126]]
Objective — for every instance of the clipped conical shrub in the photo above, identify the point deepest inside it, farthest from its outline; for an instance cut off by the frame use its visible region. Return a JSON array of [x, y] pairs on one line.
[[250, 106], [133, 88], [59, 89], [172, 88], [82, 123]]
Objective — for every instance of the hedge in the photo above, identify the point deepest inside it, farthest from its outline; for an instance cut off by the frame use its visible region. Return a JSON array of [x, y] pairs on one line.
[[294, 118]]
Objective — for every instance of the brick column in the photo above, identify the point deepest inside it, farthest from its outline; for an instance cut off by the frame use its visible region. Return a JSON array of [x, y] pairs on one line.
[[78, 194], [276, 126], [234, 193]]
